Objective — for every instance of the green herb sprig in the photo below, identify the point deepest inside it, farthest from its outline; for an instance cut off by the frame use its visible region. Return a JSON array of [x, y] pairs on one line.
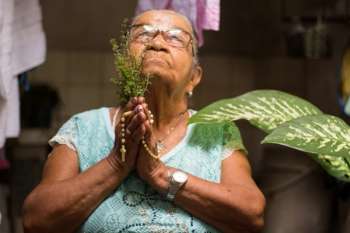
[[130, 81]]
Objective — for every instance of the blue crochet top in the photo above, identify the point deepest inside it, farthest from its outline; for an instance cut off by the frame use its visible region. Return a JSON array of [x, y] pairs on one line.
[[134, 206]]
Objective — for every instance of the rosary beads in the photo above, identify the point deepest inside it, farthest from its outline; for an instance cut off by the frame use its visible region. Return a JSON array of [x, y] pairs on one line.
[[123, 141]]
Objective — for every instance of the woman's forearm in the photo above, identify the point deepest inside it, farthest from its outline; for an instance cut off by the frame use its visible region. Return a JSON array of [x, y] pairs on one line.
[[229, 209], [234, 209], [64, 205]]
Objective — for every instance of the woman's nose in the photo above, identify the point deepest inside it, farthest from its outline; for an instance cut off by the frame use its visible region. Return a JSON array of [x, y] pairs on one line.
[[158, 42]]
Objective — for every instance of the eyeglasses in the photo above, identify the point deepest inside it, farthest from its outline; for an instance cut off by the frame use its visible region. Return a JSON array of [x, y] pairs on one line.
[[175, 37]]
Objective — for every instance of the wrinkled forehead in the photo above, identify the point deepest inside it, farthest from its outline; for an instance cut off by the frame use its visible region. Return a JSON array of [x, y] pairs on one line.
[[164, 19]]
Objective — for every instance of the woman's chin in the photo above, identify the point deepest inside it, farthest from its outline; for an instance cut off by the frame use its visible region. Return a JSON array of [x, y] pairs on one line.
[[155, 72]]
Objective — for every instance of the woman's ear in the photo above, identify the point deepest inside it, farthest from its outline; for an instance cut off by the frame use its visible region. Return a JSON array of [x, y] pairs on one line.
[[196, 76]]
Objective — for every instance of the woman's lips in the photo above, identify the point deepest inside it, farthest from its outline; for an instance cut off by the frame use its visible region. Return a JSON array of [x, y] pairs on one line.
[[155, 60]]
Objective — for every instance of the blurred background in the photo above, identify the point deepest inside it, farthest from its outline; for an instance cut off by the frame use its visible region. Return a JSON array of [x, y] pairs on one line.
[[295, 46]]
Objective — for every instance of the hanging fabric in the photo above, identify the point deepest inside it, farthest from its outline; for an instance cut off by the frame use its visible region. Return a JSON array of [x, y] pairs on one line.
[[344, 89], [22, 47]]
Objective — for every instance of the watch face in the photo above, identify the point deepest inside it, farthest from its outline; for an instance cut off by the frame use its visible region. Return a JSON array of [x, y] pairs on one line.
[[179, 177]]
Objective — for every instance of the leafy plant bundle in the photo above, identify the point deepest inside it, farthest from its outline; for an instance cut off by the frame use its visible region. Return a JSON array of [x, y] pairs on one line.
[[290, 121], [130, 81]]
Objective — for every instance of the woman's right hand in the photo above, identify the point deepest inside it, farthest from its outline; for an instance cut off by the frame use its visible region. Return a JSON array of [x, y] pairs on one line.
[[134, 132]]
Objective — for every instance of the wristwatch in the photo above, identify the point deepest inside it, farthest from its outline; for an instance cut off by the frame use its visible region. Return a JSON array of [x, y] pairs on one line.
[[176, 180]]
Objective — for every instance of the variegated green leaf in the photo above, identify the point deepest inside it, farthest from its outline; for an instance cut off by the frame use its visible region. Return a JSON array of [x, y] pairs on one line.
[[326, 136], [266, 109], [338, 167], [208, 136], [320, 134], [293, 122]]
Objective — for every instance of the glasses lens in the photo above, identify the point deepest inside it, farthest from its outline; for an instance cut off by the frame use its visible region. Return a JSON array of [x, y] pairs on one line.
[[143, 33], [177, 38]]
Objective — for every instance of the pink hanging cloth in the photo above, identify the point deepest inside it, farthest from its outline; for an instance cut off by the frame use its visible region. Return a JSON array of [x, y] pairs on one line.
[[204, 14]]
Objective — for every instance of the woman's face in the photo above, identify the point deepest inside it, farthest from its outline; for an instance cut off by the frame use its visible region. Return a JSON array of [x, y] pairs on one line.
[[163, 59]]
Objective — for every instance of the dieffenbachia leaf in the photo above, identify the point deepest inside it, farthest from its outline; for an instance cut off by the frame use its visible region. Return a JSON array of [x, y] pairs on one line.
[[292, 122], [326, 136], [265, 109], [338, 167], [209, 136], [320, 134]]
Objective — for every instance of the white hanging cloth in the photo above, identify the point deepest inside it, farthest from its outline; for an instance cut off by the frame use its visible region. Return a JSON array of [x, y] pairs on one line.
[[22, 47]]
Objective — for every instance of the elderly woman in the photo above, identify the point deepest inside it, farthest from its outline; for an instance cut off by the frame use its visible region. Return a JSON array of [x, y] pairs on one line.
[[166, 183]]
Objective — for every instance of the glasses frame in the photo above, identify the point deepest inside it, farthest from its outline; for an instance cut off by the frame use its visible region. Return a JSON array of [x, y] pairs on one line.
[[161, 31]]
